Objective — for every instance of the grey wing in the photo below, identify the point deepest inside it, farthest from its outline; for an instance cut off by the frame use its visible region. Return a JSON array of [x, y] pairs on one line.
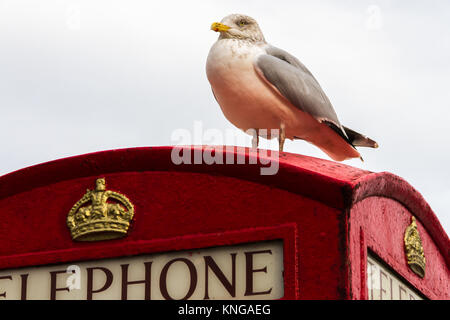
[[296, 83]]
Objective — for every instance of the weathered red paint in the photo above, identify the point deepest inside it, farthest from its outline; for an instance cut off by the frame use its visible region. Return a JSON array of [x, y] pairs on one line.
[[327, 214]]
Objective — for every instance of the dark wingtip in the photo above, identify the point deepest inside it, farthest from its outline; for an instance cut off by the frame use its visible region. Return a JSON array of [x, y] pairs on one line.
[[360, 140]]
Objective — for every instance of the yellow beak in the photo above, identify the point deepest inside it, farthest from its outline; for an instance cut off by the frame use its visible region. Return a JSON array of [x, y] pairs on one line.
[[219, 27]]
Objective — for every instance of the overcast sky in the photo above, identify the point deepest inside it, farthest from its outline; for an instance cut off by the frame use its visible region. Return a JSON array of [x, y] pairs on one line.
[[85, 76]]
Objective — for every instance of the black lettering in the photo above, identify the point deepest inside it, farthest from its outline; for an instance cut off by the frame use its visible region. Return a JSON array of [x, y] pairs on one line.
[[381, 284], [90, 281], [146, 281], [53, 288], [229, 286], [163, 278], [23, 291], [249, 291]]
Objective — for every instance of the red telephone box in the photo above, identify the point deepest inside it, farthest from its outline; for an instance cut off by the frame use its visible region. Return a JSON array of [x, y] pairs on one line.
[[132, 224]]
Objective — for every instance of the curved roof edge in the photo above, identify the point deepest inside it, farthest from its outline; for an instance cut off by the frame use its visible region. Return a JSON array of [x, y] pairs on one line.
[[335, 184]]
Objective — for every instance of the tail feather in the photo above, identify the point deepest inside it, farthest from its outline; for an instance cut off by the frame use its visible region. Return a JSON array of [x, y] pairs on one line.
[[359, 140], [354, 138], [345, 148]]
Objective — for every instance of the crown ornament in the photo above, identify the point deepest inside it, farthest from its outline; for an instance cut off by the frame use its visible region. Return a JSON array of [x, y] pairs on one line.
[[414, 249], [100, 215]]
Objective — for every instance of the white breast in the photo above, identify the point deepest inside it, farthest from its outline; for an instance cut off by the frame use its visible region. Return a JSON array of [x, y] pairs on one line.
[[245, 99]]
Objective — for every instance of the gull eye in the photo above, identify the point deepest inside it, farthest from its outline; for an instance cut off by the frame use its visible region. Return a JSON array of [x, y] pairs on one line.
[[242, 23]]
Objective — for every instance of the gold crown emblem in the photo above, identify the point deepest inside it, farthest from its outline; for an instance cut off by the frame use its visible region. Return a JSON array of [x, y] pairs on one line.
[[414, 250], [108, 215]]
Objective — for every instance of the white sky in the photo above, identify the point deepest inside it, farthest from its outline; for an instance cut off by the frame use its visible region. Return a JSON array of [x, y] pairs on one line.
[[84, 76]]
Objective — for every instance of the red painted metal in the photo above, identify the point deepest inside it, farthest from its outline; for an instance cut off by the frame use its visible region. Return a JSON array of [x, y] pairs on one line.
[[327, 214]]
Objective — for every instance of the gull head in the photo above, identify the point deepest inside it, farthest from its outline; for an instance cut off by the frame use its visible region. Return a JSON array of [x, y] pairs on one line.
[[240, 27]]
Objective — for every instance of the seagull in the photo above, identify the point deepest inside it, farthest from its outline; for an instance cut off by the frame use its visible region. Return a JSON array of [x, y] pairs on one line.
[[262, 89]]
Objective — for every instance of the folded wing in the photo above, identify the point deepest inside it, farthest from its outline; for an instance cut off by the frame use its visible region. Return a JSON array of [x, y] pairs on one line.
[[296, 83]]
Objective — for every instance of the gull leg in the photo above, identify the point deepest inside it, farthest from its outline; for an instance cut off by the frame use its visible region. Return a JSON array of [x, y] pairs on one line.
[[255, 140], [281, 137]]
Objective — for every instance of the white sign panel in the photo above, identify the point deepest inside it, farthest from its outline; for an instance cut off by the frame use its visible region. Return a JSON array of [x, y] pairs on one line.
[[383, 284], [249, 271]]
